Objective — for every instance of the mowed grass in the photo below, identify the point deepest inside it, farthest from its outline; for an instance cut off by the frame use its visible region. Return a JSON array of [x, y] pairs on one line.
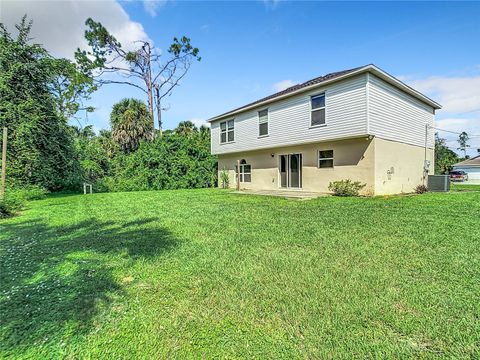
[[210, 274], [455, 186]]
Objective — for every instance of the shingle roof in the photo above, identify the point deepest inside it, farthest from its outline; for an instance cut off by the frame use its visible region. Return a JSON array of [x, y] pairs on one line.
[[327, 79], [475, 161], [296, 87]]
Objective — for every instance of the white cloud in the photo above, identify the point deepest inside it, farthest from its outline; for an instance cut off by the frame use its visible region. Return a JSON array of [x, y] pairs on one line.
[[271, 4], [152, 6], [282, 85], [471, 125], [460, 100], [60, 25], [455, 94], [199, 122]]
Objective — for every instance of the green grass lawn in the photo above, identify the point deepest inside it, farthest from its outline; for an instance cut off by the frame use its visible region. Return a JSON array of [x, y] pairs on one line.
[[210, 274], [455, 186]]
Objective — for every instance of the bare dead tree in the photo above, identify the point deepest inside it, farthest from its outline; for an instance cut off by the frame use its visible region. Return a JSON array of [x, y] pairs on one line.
[[145, 68]]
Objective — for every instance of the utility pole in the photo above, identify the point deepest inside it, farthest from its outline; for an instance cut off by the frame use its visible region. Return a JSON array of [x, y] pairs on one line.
[[4, 164], [425, 155]]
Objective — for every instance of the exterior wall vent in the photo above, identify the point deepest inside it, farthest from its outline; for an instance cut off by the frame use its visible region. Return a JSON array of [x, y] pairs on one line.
[[439, 183]]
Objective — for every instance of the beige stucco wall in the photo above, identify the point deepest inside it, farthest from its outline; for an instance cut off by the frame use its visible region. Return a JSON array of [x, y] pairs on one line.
[[353, 159], [405, 160], [368, 161]]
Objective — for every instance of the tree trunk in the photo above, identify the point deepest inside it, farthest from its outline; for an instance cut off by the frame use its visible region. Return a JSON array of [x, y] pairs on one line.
[[159, 110], [149, 82]]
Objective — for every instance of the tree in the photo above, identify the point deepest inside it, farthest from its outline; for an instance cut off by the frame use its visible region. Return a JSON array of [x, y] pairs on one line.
[[444, 157], [186, 128], [94, 161], [107, 143], [70, 86], [143, 68], [131, 122], [41, 150], [462, 141], [204, 132]]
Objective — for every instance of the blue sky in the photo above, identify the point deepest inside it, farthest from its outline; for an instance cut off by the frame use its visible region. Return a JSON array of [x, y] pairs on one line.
[[250, 49]]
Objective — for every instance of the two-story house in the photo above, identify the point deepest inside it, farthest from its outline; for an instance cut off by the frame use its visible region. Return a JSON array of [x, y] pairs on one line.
[[360, 124]]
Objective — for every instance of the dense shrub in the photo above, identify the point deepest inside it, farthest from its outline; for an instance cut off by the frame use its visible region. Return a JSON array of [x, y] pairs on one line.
[[10, 205], [15, 198], [173, 161], [346, 187], [29, 192], [420, 189], [224, 179]]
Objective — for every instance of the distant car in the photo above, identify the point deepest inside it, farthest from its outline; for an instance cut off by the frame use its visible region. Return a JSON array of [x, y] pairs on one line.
[[458, 175]]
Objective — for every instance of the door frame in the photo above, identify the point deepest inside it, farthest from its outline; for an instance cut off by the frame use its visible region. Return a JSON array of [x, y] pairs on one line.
[[279, 177]]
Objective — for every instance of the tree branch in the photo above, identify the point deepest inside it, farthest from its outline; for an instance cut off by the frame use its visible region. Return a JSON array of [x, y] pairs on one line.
[[123, 83]]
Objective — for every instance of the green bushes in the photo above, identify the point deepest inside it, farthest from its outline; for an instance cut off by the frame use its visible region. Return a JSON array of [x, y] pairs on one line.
[[15, 199], [171, 162], [40, 147], [10, 206], [346, 187], [224, 179]]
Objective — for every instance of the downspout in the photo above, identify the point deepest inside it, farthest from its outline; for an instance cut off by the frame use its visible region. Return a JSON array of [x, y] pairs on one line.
[[367, 118], [367, 92], [425, 154]]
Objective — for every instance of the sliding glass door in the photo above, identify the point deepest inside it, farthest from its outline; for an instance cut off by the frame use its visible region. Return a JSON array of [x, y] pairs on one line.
[[291, 171]]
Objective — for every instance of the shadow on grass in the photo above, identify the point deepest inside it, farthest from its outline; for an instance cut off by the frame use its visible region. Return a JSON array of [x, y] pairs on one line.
[[55, 279]]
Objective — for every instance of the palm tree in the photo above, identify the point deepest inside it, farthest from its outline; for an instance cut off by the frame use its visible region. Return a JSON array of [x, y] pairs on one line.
[[83, 132], [204, 131], [186, 128], [131, 122]]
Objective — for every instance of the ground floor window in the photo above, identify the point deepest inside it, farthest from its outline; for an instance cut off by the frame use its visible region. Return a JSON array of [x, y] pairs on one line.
[[325, 159], [245, 171]]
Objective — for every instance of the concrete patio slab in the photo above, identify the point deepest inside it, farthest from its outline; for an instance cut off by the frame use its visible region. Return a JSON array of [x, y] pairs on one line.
[[288, 194]]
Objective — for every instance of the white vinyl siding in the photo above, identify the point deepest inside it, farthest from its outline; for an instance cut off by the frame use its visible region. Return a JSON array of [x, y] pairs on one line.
[[289, 120], [398, 116]]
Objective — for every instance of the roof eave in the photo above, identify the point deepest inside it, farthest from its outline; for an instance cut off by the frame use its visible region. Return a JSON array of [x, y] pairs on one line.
[[296, 92], [399, 84]]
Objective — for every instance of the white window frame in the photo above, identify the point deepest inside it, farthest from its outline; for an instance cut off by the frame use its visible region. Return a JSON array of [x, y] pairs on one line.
[[243, 173], [227, 131], [267, 121], [329, 158], [320, 108]]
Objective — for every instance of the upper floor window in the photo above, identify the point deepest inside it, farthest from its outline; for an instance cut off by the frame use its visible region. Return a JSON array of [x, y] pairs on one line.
[[317, 116], [227, 131], [325, 159], [263, 122]]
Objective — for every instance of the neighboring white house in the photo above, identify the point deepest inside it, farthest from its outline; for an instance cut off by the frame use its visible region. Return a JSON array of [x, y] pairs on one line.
[[471, 167], [360, 124]]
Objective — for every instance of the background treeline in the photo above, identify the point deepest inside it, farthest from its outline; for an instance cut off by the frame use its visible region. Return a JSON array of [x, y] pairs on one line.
[[39, 94], [179, 159]]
